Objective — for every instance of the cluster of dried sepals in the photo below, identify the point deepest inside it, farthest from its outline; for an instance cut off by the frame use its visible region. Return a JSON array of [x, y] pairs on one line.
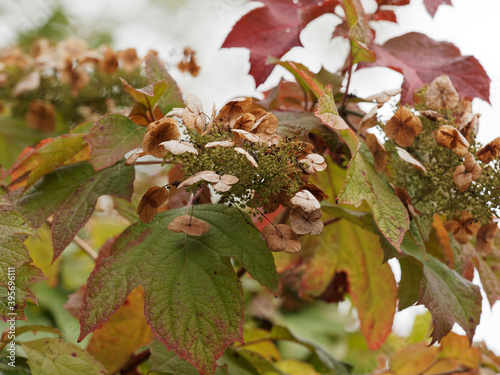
[[405, 126], [245, 125], [70, 61]]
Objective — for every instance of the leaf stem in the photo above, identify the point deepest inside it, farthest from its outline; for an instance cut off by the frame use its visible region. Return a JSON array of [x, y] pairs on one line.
[[85, 247], [134, 361]]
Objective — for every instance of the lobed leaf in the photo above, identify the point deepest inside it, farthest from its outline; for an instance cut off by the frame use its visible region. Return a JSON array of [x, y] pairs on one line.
[[70, 194], [432, 5], [193, 299], [111, 137], [149, 95]]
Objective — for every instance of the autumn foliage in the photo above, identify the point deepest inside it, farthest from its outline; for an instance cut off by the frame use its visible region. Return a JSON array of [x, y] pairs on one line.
[[207, 231]]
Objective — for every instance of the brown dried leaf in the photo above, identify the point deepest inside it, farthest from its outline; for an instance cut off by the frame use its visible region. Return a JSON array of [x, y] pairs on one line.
[[232, 110], [432, 115], [41, 116], [193, 116], [463, 228], [133, 158], [189, 225], [441, 94], [152, 199], [179, 147], [405, 155], [384, 96], [305, 200], [485, 237], [157, 132], [129, 59], [378, 151], [281, 238], [449, 137], [470, 126], [466, 173], [490, 151], [403, 127], [197, 177], [247, 155], [403, 195], [306, 222]]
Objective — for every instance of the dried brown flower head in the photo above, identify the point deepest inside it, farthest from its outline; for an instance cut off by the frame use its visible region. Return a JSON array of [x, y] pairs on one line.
[[266, 125], [403, 127], [313, 163], [152, 199], [466, 173], [449, 137], [370, 119], [189, 225], [157, 132], [232, 110], [193, 116], [490, 151], [305, 200], [378, 152], [129, 59], [463, 228], [281, 238], [188, 63], [485, 237], [41, 116], [303, 222], [315, 190], [441, 94], [245, 122], [109, 62], [470, 126]]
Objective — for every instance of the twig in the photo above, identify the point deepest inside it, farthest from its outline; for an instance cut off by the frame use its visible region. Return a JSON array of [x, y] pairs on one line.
[[85, 247], [134, 361], [349, 74]]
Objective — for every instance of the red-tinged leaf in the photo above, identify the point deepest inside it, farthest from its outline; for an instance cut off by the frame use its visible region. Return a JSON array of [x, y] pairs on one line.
[[421, 59], [125, 332], [385, 15], [70, 194], [111, 137], [156, 71], [148, 95], [413, 360], [55, 357], [432, 5], [489, 271], [449, 297], [48, 155], [15, 261], [272, 30], [359, 32], [193, 298]]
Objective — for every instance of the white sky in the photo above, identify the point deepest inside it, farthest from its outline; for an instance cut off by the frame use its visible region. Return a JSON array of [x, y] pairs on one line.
[[472, 26]]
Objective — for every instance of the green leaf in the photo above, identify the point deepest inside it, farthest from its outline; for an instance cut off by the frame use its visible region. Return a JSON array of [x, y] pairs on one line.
[[70, 194], [156, 71], [48, 155], [111, 137], [489, 271], [14, 255], [52, 356], [449, 297], [295, 68], [359, 32], [193, 299], [328, 113], [167, 361], [409, 286], [148, 95]]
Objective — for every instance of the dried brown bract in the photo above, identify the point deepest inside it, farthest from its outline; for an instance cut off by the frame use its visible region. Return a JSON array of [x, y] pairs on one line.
[[441, 94], [41, 116], [249, 157], [449, 137], [466, 173], [179, 147], [470, 127], [188, 63], [281, 238], [157, 132], [405, 155], [193, 116], [224, 183], [313, 163], [378, 151], [305, 200], [432, 115], [152, 199], [403, 195], [485, 237], [403, 127], [109, 62], [245, 122], [490, 151], [463, 228], [303, 222], [189, 225], [232, 110], [128, 59]]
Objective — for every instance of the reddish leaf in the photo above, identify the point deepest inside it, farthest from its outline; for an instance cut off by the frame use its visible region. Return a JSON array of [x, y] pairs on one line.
[[385, 15], [272, 30], [421, 59], [359, 32], [433, 5], [393, 2]]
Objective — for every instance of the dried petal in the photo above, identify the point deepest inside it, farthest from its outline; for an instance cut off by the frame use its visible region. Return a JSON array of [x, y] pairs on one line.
[[28, 83], [485, 237], [225, 183], [133, 158], [370, 119], [281, 238], [247, 155], [247, 135], [313, 163], [441, 94], [245, 122], [220, 144], [152, 199], [384, 96], [490, 151], [203, 175], [157, 132], [179, 147], [315, 190], [449, 137], [403, 127], [378, 151], [232, 110], [109, 62], [466, 173], [177, 112], [432, 115], [267, 124], [305, 200], [306, 222], [193, 116], [128, 58], [470, 126], [189, 225], [462, 228], [405, 155]]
